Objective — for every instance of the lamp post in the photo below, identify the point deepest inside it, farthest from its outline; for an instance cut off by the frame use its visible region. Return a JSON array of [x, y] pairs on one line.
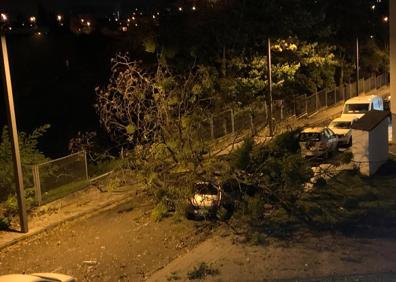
[[271, 128], [392, 41], [12, 126]]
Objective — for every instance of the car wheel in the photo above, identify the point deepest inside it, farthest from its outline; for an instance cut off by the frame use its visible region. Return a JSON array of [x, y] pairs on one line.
[[189, 213], [350, 142]]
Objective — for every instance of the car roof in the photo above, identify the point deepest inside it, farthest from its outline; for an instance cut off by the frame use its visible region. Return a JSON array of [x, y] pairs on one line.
[[361, 99], [313, 130], [345, 118]]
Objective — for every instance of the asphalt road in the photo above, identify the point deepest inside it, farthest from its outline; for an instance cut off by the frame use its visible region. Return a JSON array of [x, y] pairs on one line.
[[123, 244]]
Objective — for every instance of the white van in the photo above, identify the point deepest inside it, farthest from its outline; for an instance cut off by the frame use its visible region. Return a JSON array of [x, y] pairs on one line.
[[358, 106]]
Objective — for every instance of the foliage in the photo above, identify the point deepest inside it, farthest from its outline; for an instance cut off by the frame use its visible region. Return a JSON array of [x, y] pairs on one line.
[[277, 174], [30, 155], [202, 271], [159, 212], [240, 158], [156, 116]]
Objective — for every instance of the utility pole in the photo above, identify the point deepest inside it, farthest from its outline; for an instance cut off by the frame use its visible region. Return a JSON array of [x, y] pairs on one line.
[[392, 41], [271, 127], [12, 126], [357, 66]]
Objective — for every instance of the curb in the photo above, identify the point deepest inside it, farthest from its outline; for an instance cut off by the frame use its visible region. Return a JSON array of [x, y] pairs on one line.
[[102, 208]]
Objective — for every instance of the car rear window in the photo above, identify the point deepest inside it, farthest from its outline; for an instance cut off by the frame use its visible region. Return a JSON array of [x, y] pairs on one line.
[[206, 188], [309, 136]]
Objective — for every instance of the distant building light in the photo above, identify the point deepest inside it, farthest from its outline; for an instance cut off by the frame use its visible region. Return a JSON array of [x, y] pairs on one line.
[[386, 19], [194, 8], [136, 24], [124, 29], [373, 7], [59, 18], [10, 28], [39, 33], [180, 9], [133, 18], [82, 20], [129, 20], [153, 16], [3, 17], [372, 36], [32, 19], [88, 23]]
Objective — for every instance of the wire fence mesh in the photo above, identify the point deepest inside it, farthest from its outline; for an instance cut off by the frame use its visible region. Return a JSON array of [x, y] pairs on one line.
[[57, 178], [254, 118]]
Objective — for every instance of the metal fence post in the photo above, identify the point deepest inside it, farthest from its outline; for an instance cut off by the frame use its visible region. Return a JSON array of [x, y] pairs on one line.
[[294, 105], [232, 121], [306, 104], [281, 111], [335, 94], [37, 184], [252, 123], [326, 97], [316, 101], [211, 128], [86, 164]]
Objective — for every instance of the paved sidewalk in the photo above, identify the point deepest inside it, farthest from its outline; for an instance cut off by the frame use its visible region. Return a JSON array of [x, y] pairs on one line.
[[82, 203]]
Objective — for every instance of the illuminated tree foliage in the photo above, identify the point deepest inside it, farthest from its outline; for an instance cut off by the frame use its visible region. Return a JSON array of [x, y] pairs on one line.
[[157, 114]]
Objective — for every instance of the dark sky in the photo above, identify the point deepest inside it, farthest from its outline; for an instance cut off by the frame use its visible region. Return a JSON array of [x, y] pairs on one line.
[[30, 6]]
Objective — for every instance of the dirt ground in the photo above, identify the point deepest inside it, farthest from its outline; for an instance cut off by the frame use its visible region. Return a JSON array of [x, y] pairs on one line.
[[308, 257], [122, 244]]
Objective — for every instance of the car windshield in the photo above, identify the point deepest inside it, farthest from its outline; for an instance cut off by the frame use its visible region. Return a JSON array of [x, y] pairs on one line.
[[309, 136], [356, 108], [341, 124], [206, 188]]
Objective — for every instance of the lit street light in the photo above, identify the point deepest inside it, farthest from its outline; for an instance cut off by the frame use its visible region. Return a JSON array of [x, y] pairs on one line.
[[4, 17]]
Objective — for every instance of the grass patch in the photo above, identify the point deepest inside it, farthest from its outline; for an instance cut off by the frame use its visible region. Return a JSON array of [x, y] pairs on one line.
[[159, 212], [202, 271], [63, 191]]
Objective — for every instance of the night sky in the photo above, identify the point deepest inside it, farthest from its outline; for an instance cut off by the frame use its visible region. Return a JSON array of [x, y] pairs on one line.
[[30, 6]]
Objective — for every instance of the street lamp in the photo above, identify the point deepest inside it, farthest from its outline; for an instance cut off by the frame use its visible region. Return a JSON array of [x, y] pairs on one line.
[[9, 101], [3, 17]]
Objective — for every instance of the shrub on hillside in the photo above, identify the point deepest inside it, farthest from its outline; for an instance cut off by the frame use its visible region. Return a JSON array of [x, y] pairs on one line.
[[30, 155]]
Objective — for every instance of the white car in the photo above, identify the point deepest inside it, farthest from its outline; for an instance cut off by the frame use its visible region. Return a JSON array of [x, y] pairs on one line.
[[317, 142], [205, 201], [37, 277], [342, 128]]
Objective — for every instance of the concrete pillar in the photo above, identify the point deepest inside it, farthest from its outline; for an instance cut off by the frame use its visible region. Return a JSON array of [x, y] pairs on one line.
[[392, 41]]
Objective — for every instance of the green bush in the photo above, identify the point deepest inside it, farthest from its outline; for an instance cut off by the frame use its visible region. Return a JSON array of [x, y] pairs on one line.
[[240, 158], [4, 223], [159, 212], [30, 155], [202, 271]]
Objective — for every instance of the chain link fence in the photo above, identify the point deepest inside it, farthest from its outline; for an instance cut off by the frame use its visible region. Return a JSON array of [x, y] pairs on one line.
[[58, 178], [255, 118]]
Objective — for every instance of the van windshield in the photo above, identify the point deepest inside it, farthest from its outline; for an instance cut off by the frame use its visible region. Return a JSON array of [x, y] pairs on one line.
[[356, 108], [309, 136]]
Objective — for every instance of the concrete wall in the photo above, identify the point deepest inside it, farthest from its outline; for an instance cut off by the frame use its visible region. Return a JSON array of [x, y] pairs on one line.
[[378, 146], [392, 41], [360, 150]]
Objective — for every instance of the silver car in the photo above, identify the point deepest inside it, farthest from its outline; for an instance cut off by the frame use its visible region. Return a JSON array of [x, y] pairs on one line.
[[318, 142]]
